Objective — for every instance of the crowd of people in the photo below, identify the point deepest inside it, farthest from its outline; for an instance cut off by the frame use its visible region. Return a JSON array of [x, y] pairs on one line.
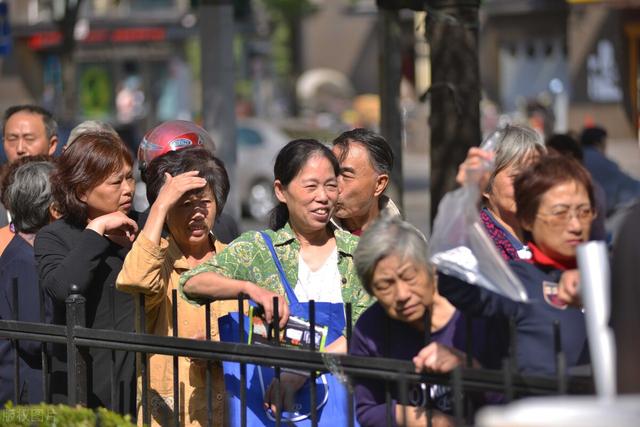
[[334, 238]]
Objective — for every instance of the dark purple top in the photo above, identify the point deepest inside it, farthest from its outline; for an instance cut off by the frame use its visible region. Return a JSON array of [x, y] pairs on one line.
[[377, 335]]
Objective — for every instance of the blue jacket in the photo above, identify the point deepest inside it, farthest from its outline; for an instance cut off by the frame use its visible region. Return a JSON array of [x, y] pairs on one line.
[[620, 188], [534, 321], [18, 261]]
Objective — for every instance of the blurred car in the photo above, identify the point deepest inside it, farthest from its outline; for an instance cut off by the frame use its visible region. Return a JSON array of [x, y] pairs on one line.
[[258, 145]]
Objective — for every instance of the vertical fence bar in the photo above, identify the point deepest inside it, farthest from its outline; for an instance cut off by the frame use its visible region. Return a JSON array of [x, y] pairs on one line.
[[469, 364], [243, 367], [561, 361], [350, 399], [507, 377], [44, 353], [209, 382], [276, 328], [387, 402], [404, 397], [176, 366], [76, 358], [349, 312], [112, 362], [458, 403], [312, 374], [512, 362], [387, 386], [427, 340], [144, 365], [312, 325], [428, 406], [15, 343]]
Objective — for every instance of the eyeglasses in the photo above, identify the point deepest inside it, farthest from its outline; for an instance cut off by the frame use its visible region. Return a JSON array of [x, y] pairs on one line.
[[562, 216]]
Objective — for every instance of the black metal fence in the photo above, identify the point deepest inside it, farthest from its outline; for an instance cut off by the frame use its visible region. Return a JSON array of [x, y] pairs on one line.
[[394, 373]]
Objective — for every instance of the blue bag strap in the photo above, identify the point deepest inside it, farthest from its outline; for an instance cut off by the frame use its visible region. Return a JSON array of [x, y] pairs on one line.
[[291, 296]]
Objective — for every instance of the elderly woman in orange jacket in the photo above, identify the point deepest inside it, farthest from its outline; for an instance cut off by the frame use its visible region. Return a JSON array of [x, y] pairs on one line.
[[187, 190]]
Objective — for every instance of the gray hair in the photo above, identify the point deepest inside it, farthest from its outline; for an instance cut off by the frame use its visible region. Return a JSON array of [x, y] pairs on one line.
[[29, 196], [89, 126], [516, 147], [389, 235]]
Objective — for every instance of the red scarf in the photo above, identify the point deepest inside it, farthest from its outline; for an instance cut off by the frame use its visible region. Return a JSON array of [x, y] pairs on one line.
[[540, 258]]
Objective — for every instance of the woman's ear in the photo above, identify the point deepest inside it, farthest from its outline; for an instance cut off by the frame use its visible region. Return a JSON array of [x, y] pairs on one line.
[[279, 189], [526, 226], [432, 275], [54, 212]]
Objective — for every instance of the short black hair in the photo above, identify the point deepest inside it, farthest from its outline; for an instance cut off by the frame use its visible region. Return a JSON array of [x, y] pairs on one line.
[[565, 144], [591, 136], [289, 162], [196, 158], [50, 125], [380, 152]]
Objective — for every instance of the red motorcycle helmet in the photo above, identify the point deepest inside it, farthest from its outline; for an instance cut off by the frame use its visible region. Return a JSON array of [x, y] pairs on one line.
[[170, 136]]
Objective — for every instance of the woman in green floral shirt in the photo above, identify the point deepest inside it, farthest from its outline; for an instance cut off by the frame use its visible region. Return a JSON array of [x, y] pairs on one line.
[[317, 259]]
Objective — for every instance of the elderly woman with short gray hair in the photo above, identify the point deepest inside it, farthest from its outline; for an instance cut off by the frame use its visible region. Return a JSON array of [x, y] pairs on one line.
[[404, 284], [27, 191]]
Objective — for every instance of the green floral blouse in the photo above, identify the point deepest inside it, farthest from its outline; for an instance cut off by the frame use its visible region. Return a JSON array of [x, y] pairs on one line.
[[248, 258]]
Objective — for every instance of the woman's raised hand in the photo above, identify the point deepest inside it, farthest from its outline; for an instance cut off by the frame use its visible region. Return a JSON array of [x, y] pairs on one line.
[[176, 186], [172, 190], [476, 160], [115, 224]]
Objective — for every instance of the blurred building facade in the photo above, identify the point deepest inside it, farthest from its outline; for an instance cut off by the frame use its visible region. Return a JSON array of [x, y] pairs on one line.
[[564, 64], [561, 64], [130, 56]]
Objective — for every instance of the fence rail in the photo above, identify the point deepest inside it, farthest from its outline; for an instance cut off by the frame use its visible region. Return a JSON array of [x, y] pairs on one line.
[[79, 338]]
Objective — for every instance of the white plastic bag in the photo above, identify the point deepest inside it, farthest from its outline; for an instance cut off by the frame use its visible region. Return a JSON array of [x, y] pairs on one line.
[[461, 247]]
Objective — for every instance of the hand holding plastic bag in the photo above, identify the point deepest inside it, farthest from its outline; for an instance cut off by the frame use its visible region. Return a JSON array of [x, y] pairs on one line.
[[460, 246]]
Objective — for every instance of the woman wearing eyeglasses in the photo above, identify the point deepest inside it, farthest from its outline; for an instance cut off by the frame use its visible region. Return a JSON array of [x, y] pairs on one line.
[[554, 199]]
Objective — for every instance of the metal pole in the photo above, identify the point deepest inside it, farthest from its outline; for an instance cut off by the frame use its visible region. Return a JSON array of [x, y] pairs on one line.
[[76, 358], [15, 343], [452, 32], [215, 19], [390, 66]]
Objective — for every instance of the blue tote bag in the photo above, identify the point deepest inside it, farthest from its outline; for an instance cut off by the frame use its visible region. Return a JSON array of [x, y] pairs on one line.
[[331, 395]]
